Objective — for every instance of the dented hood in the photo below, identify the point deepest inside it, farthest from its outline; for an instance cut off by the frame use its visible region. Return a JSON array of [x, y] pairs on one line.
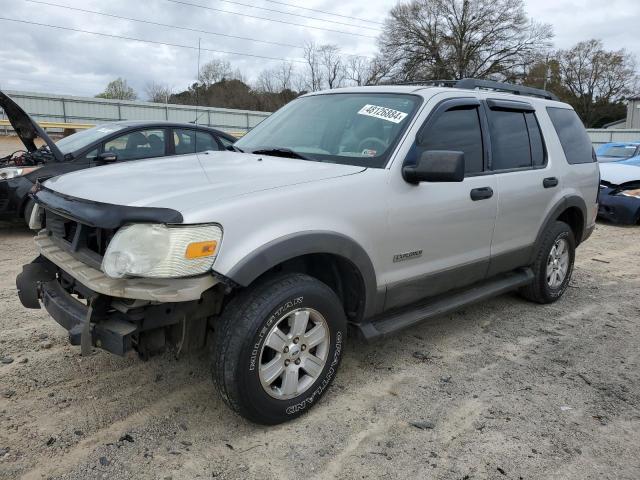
[[26, 127], [181, 182]]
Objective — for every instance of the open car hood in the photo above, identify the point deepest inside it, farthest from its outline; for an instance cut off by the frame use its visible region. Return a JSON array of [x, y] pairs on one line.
[[26, 128]]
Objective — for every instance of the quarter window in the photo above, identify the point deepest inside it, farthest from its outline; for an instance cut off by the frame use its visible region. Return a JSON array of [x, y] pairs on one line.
[[538, 153], [459, 130], [573, 137]]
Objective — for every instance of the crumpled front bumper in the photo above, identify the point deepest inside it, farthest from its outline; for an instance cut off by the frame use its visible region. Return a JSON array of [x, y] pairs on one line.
[[81, 299], [618, 208]]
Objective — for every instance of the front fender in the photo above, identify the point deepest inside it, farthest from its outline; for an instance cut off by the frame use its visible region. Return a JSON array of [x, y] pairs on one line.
[[298, 244]]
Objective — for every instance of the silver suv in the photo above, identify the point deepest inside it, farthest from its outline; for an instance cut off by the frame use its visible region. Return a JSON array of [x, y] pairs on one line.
[[365, 210]]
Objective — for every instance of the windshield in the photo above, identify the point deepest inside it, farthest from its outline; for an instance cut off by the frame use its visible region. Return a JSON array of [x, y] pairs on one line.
[[348, 128], [618, 151], [75, 142]]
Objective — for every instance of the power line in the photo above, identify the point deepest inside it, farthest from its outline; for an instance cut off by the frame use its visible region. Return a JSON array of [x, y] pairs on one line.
[[155, 42], [325, 12], [270, 19], [297, 15], [149, 22]]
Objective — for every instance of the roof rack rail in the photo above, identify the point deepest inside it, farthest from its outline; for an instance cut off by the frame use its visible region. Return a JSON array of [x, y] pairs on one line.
[[477, 84]]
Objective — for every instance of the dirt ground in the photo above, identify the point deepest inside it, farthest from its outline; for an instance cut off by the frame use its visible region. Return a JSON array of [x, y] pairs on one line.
[[504, 390]]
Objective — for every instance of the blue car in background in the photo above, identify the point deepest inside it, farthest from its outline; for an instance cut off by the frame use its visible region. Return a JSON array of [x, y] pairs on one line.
[[617, 151], [619, 196]]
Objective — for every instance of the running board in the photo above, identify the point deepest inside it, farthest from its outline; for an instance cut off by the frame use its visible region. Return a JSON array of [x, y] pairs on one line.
[[400, 319]]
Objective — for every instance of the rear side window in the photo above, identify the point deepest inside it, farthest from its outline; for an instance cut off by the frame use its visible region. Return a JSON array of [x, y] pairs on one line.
[[458, 130], [573, 137], [509, 140]]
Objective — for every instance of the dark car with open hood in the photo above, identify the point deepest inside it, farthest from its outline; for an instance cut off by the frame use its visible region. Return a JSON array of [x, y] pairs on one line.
[[104, 144]]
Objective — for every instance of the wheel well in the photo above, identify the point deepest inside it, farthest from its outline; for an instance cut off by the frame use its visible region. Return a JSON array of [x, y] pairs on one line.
[[340, 274], [573, 217]]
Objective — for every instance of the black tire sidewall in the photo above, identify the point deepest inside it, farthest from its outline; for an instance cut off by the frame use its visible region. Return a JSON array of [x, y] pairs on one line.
[[562, 231], [262, 406]]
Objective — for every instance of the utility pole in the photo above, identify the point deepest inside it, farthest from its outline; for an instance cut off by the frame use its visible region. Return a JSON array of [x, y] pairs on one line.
[[197, 80]]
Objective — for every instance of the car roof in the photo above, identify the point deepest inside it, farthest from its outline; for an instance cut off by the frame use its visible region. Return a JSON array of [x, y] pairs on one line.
[[428, 91], [165, 123]]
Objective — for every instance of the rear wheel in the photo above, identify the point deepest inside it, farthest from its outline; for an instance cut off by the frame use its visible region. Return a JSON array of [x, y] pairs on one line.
[[278, 347], [553, 265]]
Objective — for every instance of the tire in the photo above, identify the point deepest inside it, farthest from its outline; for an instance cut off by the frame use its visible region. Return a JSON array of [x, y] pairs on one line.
[[245, 335], [542, 289]]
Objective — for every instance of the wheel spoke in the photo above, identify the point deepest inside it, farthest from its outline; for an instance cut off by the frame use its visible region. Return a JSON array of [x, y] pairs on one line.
[[315, 336], [277, 340], [299, 323], [272, 370], [313, 365], [560, 249], [290, 381]]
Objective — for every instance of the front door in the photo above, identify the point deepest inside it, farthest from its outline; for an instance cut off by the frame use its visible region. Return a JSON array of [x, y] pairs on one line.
[[440, 233]]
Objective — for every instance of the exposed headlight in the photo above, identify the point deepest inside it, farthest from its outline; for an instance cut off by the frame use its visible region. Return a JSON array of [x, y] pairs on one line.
[[635, 193], [13, 172], [160, 251]]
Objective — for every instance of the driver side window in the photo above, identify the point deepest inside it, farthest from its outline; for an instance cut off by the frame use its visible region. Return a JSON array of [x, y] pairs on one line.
[[457, 129]]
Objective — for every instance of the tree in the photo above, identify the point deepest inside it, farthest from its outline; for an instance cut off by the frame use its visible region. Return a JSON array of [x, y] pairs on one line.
[[214, 71], [158, 92], [277, 79], [313, 77], [365, 71], [118, 89], [331, 65], [596, 78], [453, 39]]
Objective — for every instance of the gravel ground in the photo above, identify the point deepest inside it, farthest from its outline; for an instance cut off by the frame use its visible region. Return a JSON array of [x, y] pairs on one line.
[[502, 390]]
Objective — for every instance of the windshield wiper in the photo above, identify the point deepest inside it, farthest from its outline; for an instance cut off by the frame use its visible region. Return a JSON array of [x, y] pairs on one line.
[[233, 148], [280, 152]]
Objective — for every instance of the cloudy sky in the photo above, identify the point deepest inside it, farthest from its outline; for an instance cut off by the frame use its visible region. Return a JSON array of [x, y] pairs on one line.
[[43, 59]]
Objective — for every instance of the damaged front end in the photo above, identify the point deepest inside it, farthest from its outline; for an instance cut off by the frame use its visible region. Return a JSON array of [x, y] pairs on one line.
[[620, 203], [146, 315]]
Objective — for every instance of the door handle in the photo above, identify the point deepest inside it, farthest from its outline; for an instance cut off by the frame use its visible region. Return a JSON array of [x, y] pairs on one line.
[[550, 182], [481, 193]]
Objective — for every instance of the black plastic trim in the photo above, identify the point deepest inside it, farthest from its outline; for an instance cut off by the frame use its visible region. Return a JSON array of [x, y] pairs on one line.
[[510, 105], [102, 215], [554, 213], [304, 243]]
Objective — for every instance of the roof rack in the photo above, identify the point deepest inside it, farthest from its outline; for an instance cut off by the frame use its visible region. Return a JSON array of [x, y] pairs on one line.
[[477, 84]]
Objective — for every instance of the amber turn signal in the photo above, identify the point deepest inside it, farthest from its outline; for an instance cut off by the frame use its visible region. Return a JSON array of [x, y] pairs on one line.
[[201, 249]]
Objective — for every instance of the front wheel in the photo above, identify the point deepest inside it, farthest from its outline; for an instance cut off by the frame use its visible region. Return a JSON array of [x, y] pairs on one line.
[[278, 346], [553, 265]]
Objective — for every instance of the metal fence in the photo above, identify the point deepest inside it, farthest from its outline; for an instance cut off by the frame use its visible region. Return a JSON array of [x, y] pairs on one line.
[[58, 108], [600, 135]]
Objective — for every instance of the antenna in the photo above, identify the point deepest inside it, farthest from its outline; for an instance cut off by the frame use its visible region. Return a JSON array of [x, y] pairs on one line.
[[197, 80]]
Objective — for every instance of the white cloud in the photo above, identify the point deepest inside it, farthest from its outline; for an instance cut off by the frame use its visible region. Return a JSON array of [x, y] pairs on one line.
[[45, 59]]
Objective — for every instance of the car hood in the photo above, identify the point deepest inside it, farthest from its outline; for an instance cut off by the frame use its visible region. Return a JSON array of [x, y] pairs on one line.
[[181, 181], [27, 128], [617, 174]]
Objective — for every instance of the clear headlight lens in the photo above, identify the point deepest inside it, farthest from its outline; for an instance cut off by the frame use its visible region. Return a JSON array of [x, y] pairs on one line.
[[13, 172], [631, 193], [160, 251]]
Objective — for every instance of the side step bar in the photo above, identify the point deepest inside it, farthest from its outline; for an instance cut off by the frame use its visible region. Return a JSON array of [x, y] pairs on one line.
[[400, 319]]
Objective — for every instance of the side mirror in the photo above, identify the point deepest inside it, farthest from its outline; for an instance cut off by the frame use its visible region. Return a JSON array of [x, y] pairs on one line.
[[436, 166], [106, 157]]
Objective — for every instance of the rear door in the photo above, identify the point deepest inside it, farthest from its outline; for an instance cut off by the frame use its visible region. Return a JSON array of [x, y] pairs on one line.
[[189, 141], [526, 183]]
